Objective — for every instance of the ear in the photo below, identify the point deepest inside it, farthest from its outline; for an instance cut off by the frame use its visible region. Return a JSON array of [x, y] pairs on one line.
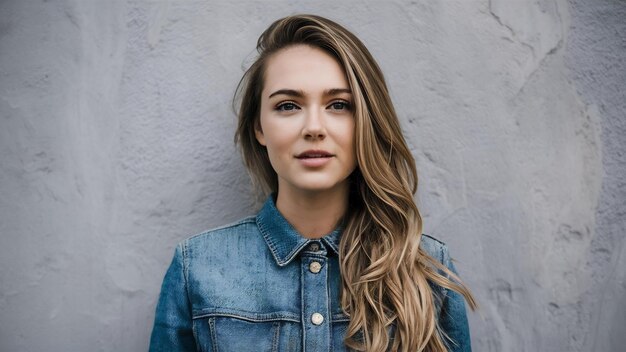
[[258, 133]]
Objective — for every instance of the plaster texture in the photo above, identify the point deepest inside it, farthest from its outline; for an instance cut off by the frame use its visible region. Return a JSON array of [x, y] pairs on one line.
[[116, 143]]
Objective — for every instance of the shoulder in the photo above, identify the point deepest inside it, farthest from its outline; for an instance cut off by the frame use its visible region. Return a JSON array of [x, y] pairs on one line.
[[222, 235], [438, 250], [434, 247]]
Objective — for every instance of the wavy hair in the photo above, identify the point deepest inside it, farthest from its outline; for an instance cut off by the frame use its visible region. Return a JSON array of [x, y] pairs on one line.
[[386, 276]]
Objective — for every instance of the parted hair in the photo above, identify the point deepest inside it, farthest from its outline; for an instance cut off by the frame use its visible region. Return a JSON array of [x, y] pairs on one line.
[[386, 276]]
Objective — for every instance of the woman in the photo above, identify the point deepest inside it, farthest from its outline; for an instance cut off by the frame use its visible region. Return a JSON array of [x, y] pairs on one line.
[[335, 260]]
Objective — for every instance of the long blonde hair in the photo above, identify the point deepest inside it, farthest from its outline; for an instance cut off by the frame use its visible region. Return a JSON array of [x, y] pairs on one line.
[[385, 274]]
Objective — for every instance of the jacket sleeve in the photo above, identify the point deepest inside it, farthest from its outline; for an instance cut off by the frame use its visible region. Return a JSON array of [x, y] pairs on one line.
[[453, 317], [173, 327]]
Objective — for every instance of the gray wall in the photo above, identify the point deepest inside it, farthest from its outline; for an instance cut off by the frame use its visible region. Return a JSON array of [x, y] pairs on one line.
[[116, 143]]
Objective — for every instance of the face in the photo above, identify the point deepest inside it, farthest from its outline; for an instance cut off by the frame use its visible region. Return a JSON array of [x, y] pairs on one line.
[[307, 122]]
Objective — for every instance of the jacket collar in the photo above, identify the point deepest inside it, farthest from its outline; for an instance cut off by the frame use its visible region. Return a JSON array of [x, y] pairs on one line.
[[282, 239]]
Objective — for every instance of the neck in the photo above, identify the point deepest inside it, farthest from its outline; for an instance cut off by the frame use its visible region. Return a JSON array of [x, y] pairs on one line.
[[313, 214]]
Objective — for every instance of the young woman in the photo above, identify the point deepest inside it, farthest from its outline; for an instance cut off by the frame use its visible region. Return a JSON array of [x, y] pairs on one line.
[[335, 260]]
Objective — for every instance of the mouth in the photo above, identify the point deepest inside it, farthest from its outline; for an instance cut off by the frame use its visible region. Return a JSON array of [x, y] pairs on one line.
[[314, 154]]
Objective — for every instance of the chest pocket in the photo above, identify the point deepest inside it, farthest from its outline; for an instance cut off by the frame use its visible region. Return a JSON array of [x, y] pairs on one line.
[[228, 331], [245, 331]]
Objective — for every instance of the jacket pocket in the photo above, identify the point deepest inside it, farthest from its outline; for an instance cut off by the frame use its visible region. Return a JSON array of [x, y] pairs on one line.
[[228, 330]]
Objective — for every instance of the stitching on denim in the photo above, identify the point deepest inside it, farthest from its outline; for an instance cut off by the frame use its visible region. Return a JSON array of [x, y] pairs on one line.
[[185, 253], [185, 264], [246, 220], [295, 251], [194, 329], [434, 239], [328, 314], [272, 246], [331, 244], [444, 251], [249, 319], [276, 339], [310, 255], [339, 317], [268, 240], [289, 257], [264, 231], [302, 311], [213, 332], [249, 316]]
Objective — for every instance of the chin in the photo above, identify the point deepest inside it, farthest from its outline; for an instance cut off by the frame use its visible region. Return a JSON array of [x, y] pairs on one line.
[[318, 185]]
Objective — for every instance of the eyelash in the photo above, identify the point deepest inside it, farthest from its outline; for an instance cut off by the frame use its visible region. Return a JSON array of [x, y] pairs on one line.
[[346, 105], [280, 107]]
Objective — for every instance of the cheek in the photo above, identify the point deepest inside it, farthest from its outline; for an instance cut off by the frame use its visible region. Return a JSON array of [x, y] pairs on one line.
[[351, 144], [348, 136], [345, 137], [276, 142], [279, 134]]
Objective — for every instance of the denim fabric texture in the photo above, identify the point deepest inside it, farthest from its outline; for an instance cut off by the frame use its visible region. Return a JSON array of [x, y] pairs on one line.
[[257, 285]]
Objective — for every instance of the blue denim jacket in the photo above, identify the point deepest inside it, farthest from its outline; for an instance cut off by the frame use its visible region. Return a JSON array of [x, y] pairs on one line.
[[257, 285]]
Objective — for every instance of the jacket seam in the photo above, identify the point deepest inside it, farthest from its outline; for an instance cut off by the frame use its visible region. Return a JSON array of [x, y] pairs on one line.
[[246, 220], [434, 239], [245, 318], [444, 261], [185, 263], [213, 334], [276, 337]]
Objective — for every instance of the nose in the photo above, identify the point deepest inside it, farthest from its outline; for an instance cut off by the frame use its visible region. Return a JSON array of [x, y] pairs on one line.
[[314, 125]]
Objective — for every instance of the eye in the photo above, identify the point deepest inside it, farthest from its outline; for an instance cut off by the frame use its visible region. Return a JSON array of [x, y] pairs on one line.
[[286, 106], [340, 105]]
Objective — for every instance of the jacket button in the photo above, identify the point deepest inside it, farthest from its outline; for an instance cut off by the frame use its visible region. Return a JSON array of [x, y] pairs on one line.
[[315, 267], [314, 247], [317, 319]]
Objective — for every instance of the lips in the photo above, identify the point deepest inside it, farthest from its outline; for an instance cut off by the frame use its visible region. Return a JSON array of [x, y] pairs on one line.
[[313, 154], [314, 159]]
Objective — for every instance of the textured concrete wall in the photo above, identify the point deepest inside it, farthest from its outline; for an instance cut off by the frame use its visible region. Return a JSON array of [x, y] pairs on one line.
[[596, 57], [116, 143]]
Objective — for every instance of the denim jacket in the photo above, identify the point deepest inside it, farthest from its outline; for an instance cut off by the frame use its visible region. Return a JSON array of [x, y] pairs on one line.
[[257, 285]]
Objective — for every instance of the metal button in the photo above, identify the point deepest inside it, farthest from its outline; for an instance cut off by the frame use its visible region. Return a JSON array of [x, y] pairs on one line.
[[317, 318], [315, 267], [314, 247]]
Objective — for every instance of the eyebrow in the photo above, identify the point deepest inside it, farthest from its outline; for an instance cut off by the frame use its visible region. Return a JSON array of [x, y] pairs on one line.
[[300, 93]]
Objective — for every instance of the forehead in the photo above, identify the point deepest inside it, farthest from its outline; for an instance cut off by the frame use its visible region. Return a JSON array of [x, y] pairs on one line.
[[303, 67]]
